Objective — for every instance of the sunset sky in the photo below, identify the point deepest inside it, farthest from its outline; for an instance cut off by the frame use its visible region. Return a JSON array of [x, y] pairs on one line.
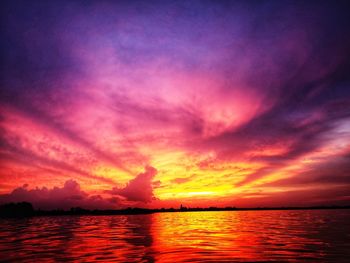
[[110, 104]]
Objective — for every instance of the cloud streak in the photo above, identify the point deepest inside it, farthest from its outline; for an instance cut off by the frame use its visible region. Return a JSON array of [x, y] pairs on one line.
[[238, 94]]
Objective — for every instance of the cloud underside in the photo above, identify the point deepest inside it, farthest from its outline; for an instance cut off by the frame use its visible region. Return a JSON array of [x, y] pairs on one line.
[[137, 192], [138, 189], [216, 101]]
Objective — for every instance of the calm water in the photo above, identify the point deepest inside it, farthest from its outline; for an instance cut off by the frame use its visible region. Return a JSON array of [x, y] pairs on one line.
[[318, 235]]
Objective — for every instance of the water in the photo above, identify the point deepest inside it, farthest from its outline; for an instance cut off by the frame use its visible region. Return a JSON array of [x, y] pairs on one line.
[[307, 235]]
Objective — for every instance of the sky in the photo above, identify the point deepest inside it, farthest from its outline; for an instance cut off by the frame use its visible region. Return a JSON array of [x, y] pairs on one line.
[[112, 104]]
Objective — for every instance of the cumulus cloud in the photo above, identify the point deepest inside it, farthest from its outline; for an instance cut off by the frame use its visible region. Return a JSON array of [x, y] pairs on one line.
[[97, 84], [65, 197], [139, 189]]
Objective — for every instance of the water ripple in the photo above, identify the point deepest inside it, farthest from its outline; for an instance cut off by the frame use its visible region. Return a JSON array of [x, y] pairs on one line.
[[248, 236]]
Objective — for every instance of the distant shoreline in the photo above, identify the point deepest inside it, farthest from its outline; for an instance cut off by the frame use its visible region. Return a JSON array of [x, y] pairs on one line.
[[25, 209], [140, 211]]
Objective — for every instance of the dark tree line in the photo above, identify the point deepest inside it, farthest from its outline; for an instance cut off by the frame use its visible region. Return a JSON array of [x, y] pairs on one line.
[[25, 209], [21, 209]]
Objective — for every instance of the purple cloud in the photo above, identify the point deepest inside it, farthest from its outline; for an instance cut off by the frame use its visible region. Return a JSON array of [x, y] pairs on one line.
[[65, 197]]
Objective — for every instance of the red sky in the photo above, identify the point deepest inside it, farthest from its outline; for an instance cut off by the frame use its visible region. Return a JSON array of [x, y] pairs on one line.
[[108, 105]]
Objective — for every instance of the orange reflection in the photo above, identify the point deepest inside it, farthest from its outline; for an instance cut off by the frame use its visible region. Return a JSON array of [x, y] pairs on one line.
[[205, 235], [232, 236], [179, 237]]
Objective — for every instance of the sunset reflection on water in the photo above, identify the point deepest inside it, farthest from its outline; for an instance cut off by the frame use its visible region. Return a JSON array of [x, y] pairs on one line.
[[321, 235]]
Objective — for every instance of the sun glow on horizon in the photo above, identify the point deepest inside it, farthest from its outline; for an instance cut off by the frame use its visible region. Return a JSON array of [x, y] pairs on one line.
[[117, 104]]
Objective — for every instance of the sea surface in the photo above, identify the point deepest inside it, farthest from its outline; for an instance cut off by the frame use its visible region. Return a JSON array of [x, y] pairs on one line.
[[229, 236]]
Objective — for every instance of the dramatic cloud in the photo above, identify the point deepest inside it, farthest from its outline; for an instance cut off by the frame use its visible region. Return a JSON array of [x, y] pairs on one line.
[[140, 188], [70, 195], [222, 101]]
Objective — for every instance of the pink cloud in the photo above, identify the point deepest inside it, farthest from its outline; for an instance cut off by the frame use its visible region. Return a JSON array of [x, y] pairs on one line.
[[65, 197], [117, 86], [139, 189]]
